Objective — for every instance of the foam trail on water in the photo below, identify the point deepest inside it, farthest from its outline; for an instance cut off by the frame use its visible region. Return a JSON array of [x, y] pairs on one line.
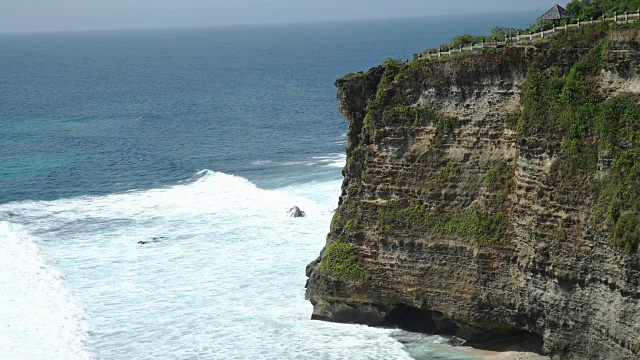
[[333, 160], [39, 318]]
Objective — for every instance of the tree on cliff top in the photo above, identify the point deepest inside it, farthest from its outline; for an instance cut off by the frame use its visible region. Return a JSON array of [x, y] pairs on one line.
[[586, 9]]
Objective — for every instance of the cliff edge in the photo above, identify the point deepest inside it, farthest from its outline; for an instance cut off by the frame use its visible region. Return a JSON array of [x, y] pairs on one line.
[[494, 196]]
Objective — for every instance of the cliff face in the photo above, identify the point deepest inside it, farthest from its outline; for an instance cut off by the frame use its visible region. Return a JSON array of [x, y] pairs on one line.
[[466, 208]]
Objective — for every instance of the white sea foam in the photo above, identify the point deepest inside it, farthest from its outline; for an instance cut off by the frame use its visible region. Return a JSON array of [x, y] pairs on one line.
[[39, 318], [262, 162], [342, 139], [225, 281], [331, 160]]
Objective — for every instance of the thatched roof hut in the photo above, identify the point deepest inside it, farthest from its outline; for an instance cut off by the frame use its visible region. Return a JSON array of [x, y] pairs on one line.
[[556, 12]]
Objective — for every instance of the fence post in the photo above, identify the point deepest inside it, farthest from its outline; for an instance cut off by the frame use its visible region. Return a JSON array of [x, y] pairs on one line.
[[615, 16], [626, 16], [530, 35], [483, 43], [439, 53], [578, 22]]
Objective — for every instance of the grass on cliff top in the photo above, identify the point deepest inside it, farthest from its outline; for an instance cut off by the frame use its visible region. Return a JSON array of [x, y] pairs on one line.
[[583, 9], [340, 261], [352, 76]]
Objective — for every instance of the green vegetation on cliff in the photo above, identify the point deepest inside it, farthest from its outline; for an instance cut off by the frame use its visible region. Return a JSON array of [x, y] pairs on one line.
[[360, 157], [558, 103], [500, 176], [500, 181], [618, 136], [340, 261], [481, 227], [451, 169], [587, 9], [595, 140], [358, 162], [566, 107], [408, 118]]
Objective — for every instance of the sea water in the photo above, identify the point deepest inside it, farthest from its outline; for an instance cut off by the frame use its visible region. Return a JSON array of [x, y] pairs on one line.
[[195, 142]]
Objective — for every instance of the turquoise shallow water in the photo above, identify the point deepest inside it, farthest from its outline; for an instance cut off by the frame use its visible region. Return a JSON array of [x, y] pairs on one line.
[[204, 137]]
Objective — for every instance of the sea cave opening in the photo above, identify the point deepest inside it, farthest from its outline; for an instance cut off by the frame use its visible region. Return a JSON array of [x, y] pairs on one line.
[[412, 319]]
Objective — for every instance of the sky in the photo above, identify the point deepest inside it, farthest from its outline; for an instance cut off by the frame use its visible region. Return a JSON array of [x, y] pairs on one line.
[[62, 15]]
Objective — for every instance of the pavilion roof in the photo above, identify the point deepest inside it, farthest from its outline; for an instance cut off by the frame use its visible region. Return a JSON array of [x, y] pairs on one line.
[[555, 13]]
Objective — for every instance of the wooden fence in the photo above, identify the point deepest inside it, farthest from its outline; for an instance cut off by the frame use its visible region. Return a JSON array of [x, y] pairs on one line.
[[531, 37]]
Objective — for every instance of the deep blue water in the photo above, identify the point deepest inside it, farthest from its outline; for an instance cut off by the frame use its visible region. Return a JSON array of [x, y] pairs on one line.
[[103, 112]]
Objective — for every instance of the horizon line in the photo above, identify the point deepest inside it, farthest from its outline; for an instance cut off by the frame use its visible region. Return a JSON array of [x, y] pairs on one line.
[[264, 24]]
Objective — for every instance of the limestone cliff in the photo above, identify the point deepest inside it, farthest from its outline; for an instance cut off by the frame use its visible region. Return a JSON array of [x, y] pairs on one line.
[[483, 197]]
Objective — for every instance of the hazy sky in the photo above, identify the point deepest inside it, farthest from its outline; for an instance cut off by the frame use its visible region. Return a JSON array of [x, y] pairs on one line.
[[45, 15]]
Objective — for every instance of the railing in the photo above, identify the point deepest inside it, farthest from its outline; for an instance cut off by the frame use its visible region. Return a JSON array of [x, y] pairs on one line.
[[531, 37]]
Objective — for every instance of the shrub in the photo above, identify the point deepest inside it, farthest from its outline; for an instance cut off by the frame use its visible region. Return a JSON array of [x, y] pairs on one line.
[[499, 175], [409, 116], [627, 232], [451, 169], [348, 226], [445, 125], [359, 158], [340, 261], [586, 9]]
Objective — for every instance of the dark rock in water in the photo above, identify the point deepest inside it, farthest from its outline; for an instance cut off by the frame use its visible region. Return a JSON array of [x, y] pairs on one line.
[[456, 341], [295, 212], [154, 240]]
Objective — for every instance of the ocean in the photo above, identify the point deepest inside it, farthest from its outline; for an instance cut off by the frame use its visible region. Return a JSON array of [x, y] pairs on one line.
[[196, 141]]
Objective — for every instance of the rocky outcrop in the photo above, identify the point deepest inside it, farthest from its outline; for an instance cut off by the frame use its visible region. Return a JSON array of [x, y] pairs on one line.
[[458, 216], [295, 212]]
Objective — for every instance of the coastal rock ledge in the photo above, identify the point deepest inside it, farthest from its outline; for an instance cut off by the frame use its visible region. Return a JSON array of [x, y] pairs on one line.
[[480, 199]]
